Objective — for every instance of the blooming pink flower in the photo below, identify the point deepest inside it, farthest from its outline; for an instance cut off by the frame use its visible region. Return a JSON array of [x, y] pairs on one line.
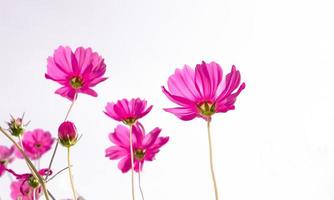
[[145, 146], [127, 111], [76, 71], [20, 189], [6, 156], [203, 91], [36, 143]]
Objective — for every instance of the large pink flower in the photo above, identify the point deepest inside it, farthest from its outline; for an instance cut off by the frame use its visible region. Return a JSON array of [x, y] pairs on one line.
[[76, 71], [127, 111], [20, 189], [6, 156], [203, 91], [36, 143], [145, 146]]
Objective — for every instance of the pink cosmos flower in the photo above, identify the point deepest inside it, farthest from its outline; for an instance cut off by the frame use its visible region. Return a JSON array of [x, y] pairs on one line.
[[36, 143], [202, 92], [76, 71], [127, 111], [20, 189], [145, 146], [6, 156]]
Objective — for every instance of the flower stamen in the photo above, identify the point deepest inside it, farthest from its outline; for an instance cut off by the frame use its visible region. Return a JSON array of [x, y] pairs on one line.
[[76, 82], [207, 109], [139, 154]]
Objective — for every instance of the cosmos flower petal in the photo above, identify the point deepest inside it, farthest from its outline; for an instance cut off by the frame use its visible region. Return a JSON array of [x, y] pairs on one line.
[[116, 152], [151, 137], [120, 136], [66, 92], [89, 91], [208, 78], [125, 164], [228, 103], [110, 111], [183, 113], [182, 83], [177, 99]]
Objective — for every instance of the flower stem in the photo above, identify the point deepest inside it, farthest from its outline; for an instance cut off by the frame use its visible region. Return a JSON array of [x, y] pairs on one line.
[[70, 173], [29, 163], [57, 143], [139, 182], [211, 162], [132, 161]]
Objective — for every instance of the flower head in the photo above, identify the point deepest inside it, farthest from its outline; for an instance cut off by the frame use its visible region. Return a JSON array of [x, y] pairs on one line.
[[202, 92], [6, 156], [145, 146], [76, 71], [36, 143], [67, 134], [127, 111], [20, 189], [16, 126]]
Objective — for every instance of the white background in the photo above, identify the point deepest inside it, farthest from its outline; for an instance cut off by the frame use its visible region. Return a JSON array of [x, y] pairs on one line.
[[277, 145]]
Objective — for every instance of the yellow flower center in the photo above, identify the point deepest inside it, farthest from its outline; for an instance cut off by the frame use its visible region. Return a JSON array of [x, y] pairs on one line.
[[130, 121], [76, 82], [207, 109], [139, 154]]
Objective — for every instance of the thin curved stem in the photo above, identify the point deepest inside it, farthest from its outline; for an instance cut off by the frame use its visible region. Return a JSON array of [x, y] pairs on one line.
[[139, 182], [52, 177], [70, 173], [71, 106], [57, 143], [132, 161], [29, 163], [211, 162]]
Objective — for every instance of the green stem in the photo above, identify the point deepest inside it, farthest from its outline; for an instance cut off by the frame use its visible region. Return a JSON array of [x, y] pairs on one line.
[[57, 143], [70, 173], [29, 163], [211, 162], [132, 161]]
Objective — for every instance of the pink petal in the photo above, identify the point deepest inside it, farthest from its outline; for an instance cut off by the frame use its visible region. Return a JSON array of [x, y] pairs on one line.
[[120, 136], [151, 137], [177, 99], [183, 113], [125, 164], [182, 84], [67, 92], [207, 79], [116, 152], [111, 112], [88, 91]]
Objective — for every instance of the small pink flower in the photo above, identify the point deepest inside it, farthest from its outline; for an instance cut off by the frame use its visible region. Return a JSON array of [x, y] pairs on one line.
[[36, 143], [145, 146], [20, 189], [127, 111], [6, 156], [202, 92], [76, 71], [67, 134]]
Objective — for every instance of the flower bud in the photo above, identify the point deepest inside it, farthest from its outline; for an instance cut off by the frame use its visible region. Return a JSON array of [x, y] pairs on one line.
[[16, 126], [33, 182], [67, 134]]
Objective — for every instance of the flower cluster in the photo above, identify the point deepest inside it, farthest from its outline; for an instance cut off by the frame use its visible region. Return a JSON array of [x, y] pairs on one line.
[[199, 93]]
